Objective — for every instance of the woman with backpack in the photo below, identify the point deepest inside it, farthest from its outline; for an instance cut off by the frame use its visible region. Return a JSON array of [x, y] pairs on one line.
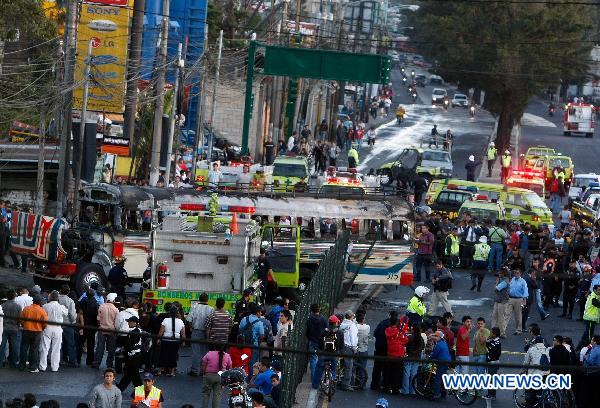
[[171, 334]]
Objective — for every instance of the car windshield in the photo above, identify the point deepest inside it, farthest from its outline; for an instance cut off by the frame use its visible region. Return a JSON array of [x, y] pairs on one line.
[[460, 97], [439, 92], [437, 156], [562, 162], [540, 152], [584, 181], [480, 213], [534, 200], [289, 170]]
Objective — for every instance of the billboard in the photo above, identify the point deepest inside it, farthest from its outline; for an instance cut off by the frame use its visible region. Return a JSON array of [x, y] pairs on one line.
[[107, 27]]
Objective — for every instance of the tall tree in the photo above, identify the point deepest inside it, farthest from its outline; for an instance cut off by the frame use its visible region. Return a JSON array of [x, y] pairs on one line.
[[510, 50]]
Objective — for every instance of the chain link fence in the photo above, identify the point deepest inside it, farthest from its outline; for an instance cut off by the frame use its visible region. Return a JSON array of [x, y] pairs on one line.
[[324, 289]]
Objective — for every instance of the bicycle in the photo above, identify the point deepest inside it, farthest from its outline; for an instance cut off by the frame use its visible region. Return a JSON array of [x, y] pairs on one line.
[[423, 385], [545, 399], [328, 383]]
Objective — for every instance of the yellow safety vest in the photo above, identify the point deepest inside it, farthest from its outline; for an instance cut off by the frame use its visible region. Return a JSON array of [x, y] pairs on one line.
[[591, 313], [506, 159], [491, 153], [353, 153], [153, 397], [481, 252], [453, 246], [416, 305]]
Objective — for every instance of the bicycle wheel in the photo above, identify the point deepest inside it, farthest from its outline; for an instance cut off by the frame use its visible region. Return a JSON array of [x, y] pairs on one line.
[[423, 383], [567, 399], [466, 397], [360, 376], [551, 399], [519, 398], [328, 385]]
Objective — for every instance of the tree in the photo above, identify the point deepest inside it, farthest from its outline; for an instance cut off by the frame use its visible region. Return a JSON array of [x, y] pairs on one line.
[[511, 51]]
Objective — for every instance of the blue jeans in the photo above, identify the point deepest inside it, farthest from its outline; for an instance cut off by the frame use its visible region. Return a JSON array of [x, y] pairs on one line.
[[320, 369], [10, 338], [348, 367], [69, 348], [437, 380], [106, 341], [313, 359], [410, 371], [495, 257], [478, 369], [538, 303]]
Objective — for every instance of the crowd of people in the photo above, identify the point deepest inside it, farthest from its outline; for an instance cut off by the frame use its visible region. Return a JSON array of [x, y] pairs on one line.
[[52, 331]]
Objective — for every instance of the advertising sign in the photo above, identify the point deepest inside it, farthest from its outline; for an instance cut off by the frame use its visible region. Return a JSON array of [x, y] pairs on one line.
[[106, 24]]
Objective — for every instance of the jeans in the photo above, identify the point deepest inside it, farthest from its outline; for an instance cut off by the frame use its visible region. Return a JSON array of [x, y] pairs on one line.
[[437, 380], [495, 256], [68, 345], [211, 384], [478, 369], [348, 367], [313, 359], [410, 371], [491, 370], [10, 339], [199, 350], [462, 369], [30, 350], [320, 369], [538, 302], [108, 341], [422, 261]]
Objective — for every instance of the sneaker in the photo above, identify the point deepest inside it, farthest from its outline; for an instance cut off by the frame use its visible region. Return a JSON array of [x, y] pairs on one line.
[[35, 370]]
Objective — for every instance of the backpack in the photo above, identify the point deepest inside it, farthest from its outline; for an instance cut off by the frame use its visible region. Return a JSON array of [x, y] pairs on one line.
[[545, 360], [247, 332], [329, 342]]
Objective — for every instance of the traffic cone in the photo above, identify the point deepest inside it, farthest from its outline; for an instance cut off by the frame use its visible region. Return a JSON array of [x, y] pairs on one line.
[[234, 226]]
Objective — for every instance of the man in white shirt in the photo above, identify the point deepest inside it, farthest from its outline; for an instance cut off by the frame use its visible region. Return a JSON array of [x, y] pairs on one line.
[[364, 331], [70, 355], [214, 176], [291, 142], [350, 330], [197, 317], [24, 299], [52, 334]]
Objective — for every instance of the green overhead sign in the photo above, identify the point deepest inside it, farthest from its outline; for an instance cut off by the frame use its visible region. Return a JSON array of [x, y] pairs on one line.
[[325, 64]]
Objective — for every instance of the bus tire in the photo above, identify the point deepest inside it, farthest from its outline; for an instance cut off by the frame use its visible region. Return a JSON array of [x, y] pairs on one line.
[[87, 274]]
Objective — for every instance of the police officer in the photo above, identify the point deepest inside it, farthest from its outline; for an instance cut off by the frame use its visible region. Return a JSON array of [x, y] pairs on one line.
[[506, 163], [591, 315], [117, 277], [416, 308], [133, 355], [452, 248], [480, 263], [492, 154]]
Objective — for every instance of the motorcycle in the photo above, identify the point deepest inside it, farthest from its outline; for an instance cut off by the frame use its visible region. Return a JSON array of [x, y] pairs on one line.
[[446, 103], [551, 111], [414, 96], [234, 380], [472, 110]]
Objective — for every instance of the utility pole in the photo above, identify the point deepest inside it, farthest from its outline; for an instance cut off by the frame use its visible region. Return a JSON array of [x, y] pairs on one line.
[[172, 115], [133, 69], [86, 89], [298, 6], [39, 197], [160, 102], [199, 125], [67, 106], [213, 106]]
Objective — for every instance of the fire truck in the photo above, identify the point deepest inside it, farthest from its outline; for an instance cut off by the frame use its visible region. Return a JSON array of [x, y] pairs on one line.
[[579, 118]]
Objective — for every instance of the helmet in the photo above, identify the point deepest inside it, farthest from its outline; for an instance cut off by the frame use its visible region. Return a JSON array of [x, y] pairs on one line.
[[492, 144], [507, 152], [421, 291], [472, 158], [333, 319], [381, 403]]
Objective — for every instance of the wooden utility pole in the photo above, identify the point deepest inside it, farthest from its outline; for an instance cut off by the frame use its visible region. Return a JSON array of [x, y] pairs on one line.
[[213, 106], [160, 101], [172, 115], [39, 195], [86, 89], [133, 69], [67, 106]]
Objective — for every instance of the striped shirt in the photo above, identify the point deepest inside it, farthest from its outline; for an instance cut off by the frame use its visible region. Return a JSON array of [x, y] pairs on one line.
[[218, 325]]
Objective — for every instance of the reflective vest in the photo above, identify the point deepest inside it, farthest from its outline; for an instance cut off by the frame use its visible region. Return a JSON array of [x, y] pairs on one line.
[[481, 252], [153, 398], [353, 153], [491, 153], [453, 246], [560, 174], [591, 313], [416, 305], [506, 159]]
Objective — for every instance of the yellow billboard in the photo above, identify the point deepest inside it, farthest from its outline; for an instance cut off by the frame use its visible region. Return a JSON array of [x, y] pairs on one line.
[[107, 28], [55, 13]]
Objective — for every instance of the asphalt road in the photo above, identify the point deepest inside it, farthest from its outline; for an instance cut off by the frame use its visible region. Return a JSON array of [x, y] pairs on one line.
[[539, 130]]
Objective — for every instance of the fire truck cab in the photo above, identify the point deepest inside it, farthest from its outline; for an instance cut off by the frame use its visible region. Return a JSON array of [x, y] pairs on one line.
[[579, 118]]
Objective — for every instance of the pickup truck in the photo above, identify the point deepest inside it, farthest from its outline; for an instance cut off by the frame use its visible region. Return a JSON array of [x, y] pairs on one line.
[[588, 211]]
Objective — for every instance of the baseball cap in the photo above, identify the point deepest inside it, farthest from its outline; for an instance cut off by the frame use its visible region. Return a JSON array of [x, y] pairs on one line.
[[148, 376], [133, 319], [111, 297]]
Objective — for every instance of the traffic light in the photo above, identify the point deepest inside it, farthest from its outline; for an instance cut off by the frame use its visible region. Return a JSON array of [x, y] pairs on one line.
[[386, 68]]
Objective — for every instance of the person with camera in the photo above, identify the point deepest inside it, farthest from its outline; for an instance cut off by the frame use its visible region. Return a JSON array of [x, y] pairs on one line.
[[442, 283]]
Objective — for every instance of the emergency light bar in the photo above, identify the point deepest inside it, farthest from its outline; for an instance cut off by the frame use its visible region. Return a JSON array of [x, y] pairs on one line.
[[472, 189], [527, 174]]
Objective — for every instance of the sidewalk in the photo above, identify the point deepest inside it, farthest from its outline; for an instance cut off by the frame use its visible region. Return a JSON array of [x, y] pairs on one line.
[[305, 395]]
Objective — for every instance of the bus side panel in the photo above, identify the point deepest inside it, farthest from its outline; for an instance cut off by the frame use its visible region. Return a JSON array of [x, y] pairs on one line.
[[385, 264]]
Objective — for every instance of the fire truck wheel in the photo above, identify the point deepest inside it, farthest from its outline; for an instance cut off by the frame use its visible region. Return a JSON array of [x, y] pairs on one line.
[[87, 274]]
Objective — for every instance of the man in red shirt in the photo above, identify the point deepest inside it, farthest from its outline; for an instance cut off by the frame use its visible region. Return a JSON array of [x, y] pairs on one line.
[[462, 344]]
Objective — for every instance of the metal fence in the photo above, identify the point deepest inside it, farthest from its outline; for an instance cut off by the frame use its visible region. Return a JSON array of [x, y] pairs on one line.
[[325, 289]]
